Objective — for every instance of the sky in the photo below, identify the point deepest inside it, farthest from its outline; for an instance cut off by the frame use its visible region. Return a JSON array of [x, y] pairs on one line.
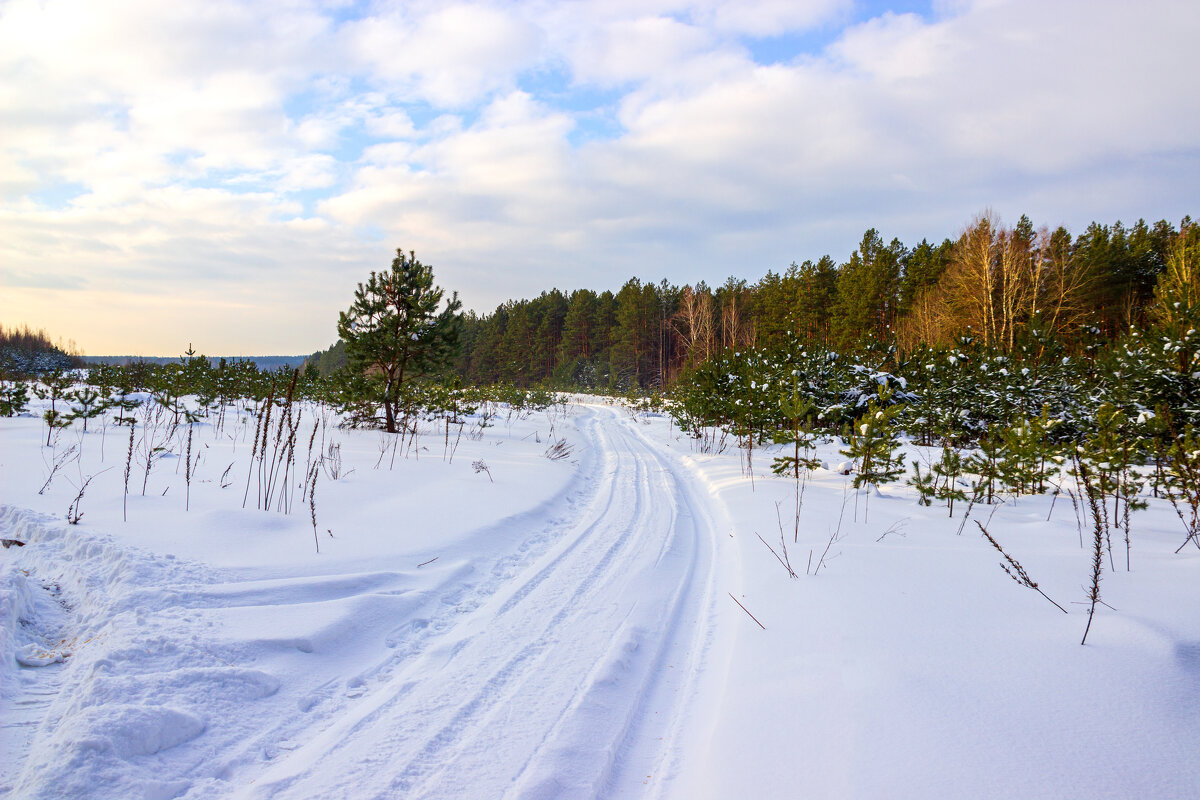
[[223, 173]]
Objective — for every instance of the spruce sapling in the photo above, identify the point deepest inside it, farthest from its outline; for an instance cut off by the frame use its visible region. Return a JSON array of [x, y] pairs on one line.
[[14, 397], [799, 414]]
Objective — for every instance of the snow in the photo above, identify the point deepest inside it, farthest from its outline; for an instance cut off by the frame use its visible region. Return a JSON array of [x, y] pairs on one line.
[[571, 630]]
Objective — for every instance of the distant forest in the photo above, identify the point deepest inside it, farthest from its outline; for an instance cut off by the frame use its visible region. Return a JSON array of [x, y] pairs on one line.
[[992, 282], [262, 362], [24, 350]]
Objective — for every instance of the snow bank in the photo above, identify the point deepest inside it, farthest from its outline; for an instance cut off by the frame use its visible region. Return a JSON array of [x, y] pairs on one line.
[[178, 653], [911, 666]]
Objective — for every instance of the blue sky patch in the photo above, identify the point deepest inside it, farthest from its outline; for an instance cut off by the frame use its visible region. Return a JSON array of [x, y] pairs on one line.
[[58, 196]]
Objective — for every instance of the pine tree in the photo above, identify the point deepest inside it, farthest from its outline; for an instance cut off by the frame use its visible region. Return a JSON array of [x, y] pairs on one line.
[[90, 404], [516, 345], [798, 413], [578, 334], [637, 347], [1026, 454], [873, 442], [922, 268], [14, 396], [395, 333], [926, 484], [867, 290], [551, 312], [947, 469], [53, 387]]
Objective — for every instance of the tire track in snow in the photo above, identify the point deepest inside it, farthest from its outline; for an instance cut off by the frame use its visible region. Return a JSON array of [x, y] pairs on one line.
[[557, 684], [427, 615]]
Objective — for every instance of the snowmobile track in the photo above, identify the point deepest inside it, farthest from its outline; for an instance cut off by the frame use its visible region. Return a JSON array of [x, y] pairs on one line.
[[567, 680]]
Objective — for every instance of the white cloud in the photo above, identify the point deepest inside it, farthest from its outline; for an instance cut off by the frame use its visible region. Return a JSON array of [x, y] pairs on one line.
[[390, 124], [1037, 86], [471, 189], [630, 50], [264, 156], [450, 55], [771, 17]]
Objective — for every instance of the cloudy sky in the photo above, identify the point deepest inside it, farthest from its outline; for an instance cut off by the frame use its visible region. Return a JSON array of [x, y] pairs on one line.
[[224, 173]]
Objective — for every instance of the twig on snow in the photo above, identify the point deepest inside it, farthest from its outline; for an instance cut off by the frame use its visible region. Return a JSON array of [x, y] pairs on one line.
[[734, 599]]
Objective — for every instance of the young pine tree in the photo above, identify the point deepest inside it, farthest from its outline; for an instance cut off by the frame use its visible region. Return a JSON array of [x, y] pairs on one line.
[[874, 444], [54, 388], [395, 333], [798, 412]]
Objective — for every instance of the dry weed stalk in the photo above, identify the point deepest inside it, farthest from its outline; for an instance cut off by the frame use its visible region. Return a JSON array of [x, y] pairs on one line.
[[58, 460], [1078, 518], [73, 512], [479, 466], [387, 441], [308, 461], [188, 470], [273, 472], [457, 439], [834, 537], [263, 417], [1092, 494], [896, 527], [152, 446], [128, 470], [559, 450], [312, 503], [734, 599], [332, 461], [1014, 568], [410, 419], [783, 560]]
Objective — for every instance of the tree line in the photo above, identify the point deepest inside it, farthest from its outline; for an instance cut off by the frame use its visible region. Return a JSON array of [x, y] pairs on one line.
[[24, 351], [992, 281]]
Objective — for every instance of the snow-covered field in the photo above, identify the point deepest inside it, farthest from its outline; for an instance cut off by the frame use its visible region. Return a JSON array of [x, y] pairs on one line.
[[574, 628]]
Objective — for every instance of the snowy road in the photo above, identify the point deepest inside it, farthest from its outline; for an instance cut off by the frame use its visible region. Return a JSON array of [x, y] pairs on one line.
[[564, 682], [558, 653]]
